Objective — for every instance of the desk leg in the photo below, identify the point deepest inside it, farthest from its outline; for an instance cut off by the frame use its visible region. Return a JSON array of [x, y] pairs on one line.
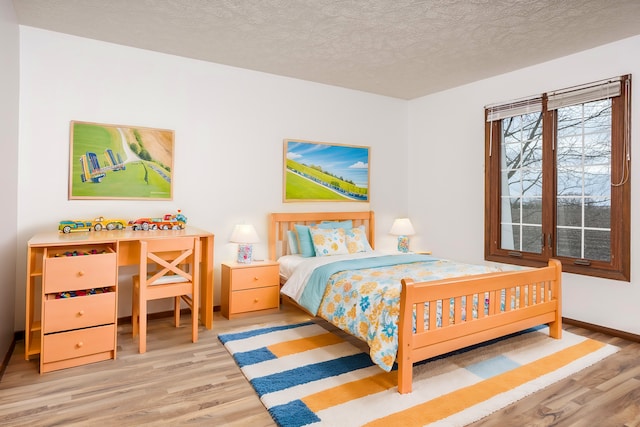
[[206, 282]]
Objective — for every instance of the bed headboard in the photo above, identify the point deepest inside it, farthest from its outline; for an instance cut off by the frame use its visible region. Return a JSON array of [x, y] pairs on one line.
[[280, 223]]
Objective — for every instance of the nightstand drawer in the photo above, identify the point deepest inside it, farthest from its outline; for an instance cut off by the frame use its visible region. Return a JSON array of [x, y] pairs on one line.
[[255, 277], [255, 299], [83, 342], [70, 273], [80, 312]]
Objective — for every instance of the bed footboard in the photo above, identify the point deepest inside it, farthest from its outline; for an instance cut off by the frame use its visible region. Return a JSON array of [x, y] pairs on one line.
[[507, 302]]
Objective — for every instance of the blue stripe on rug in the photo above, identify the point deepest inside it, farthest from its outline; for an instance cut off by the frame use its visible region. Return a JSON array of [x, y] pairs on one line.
[[251, 357], [492, 367], [293, 414], [224, 338], [308, 373]]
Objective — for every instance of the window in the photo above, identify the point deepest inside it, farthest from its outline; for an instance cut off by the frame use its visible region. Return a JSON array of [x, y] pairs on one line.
[[557, 180]]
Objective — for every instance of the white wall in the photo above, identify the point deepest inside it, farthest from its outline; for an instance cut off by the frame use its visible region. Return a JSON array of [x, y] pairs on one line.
[[9, 83], [229, 128], [225, 117], [446, 172]]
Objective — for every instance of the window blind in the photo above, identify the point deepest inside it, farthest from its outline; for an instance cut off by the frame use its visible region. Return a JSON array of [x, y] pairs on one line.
[[513, 108], [587, 93]]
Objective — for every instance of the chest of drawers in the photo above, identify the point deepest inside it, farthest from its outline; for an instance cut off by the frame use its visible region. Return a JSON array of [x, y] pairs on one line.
[[78, 311]]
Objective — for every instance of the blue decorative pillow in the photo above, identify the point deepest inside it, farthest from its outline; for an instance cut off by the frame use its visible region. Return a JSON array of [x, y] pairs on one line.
[[305, 242], [346, 224]]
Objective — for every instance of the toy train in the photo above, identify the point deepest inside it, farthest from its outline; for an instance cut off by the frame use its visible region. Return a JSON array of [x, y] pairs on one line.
[[166, 222]]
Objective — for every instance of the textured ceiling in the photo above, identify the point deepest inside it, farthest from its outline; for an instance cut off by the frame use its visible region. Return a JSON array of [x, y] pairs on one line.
[[399, 48]]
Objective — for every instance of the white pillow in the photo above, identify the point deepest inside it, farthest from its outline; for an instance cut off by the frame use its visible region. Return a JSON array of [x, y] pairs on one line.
[[292, 237], [329, 241], [357, 240]]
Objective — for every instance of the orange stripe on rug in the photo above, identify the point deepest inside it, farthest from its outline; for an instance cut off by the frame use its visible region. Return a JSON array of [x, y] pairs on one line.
[[304, 344], [350, 391], [459, 400]]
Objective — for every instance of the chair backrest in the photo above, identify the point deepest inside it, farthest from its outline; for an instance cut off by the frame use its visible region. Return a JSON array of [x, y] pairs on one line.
[[172, 260]]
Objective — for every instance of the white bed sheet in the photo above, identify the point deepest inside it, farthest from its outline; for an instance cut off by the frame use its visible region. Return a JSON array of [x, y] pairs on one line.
[[297, 269], [288, 264]]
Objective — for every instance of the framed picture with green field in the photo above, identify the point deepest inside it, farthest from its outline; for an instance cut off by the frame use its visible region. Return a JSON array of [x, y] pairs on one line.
[[322, 171], [120, 162]]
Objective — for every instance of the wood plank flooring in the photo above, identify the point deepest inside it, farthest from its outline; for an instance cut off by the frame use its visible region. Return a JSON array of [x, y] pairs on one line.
[[180, 383]]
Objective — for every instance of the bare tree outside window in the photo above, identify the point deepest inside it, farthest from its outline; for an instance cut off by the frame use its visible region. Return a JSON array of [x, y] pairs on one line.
[[521, 157], [583, 163], [583, 171]]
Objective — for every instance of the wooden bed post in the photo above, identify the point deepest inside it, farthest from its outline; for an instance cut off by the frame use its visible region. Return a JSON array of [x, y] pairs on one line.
[[405, 339], [555, 327], [372, 229], [272, 238]]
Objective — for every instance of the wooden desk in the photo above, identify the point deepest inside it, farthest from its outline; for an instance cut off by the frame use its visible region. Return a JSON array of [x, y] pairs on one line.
[[127, 247]]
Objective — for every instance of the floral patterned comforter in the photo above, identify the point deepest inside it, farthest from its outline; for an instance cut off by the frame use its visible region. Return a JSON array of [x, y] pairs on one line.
[[366, 302]]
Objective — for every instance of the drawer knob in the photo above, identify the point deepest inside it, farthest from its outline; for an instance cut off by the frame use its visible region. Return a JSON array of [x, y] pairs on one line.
[[80, 273], [80, 344], [256, 300], [255, 278], [81, 313]]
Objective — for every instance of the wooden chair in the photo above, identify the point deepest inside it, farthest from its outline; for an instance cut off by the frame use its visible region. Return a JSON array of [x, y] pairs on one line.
[[168, 269]]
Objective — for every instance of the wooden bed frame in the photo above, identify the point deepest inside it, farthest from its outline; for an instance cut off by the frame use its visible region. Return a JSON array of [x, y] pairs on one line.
[[429, 340]]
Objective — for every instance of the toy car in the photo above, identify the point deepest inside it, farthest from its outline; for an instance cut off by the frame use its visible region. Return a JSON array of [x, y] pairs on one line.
[[97, 224], [69, 226], [167, 222]]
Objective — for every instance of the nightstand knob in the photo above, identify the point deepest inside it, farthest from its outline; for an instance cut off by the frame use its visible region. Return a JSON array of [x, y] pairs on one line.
[[256, 300], [80, 273], [255, 278], [81, 313], [80, 344]]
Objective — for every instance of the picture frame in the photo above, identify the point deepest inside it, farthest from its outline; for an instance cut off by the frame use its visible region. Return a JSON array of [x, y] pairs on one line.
[[327, 172], [120, 162]]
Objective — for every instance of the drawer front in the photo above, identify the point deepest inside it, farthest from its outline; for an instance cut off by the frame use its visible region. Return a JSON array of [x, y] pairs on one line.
[[255, 299], [80, 312], [79, 272], [255, 277], [83, 342]]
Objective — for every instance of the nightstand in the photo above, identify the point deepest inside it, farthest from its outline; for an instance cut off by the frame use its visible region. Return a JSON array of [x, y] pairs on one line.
[[249, 288], [396, 252]]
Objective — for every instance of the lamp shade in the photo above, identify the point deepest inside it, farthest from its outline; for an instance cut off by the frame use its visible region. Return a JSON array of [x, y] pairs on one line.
[[402, 227], [244, 233]]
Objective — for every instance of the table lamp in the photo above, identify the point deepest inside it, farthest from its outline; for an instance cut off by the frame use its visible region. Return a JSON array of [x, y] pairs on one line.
[[244, 235], [403, 229]]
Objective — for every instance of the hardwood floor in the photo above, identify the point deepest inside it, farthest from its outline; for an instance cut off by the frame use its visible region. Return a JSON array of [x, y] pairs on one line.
[[180, 383]]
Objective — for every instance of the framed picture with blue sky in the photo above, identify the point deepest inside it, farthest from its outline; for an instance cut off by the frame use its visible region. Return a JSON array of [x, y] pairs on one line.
[[321, 171]]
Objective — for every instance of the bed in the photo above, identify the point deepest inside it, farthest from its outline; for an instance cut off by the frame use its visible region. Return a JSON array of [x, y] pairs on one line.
[[419, 305]]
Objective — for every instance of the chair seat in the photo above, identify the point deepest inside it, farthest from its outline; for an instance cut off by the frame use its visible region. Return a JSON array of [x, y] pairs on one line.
[[169, 279], [169, 263]]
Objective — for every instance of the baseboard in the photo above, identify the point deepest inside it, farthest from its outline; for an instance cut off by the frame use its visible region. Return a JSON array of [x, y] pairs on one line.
[[7, 357], [597, 328]]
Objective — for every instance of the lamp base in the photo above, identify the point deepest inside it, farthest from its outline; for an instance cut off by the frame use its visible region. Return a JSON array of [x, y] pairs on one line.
[[245, 254], [403, 244]]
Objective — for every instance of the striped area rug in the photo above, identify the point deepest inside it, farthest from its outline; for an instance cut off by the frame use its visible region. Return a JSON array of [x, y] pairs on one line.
[[306, 375]]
